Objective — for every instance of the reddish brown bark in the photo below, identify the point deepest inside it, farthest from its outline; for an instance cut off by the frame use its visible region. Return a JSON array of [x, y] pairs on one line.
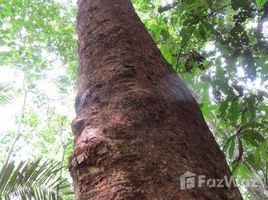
[[138, 129]]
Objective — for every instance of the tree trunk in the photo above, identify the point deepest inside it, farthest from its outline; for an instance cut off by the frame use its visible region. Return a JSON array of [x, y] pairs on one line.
[[138, 129]]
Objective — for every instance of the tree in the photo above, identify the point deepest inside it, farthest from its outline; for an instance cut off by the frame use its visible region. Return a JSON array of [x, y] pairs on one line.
[[138, 128]]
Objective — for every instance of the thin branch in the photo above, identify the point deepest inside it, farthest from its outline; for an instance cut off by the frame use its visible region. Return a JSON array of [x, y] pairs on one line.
[[18, 132]]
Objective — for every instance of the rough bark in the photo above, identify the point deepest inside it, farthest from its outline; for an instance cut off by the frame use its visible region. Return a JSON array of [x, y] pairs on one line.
[[138, 129]]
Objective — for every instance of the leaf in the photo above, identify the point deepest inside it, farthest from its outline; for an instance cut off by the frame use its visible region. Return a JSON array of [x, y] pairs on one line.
[[251, 141], [244, 170], [154, 27], [246, 116], [29, 180], [253, 124], [223, 108], [260, 3], [234, 111], [235, 168], [191, 6], [208, 26], [261, 152], [187, 33], [229, 146], [252, 137], [224, 87], [202, 32], [5, 96], [241, 169], [253, 162], [165, 50]]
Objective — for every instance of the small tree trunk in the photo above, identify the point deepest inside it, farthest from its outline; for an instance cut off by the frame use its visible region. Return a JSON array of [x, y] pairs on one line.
[[138, 129]]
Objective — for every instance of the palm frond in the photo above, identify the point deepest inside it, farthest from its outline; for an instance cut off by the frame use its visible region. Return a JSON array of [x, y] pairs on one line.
[[5, 96], [33, 180]]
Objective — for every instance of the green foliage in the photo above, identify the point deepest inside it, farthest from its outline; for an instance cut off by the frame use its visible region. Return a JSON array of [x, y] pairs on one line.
[[37, 40], [30, 180]]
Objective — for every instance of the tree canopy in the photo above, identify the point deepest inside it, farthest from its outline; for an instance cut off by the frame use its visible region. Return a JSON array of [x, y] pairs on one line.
[[219, 48]]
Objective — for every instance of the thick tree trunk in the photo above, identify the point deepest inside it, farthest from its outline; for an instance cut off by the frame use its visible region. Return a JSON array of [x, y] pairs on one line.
[[138, 129]]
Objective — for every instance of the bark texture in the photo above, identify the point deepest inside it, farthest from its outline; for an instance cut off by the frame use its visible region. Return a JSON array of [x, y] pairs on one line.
[[138, 129]]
